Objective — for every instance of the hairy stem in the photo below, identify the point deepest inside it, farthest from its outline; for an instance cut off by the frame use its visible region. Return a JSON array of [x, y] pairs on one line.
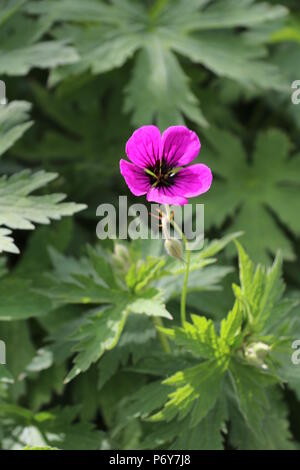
[[187, 270], [184, 289]]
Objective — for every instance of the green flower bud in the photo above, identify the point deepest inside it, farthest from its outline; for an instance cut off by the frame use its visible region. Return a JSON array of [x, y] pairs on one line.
[[174, 248]]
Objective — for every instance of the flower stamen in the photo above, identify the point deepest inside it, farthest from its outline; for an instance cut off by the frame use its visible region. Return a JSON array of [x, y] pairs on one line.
[[161, 174]]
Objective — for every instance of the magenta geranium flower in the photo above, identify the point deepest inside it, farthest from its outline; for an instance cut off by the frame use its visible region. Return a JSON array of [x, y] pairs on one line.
[[158, 165]]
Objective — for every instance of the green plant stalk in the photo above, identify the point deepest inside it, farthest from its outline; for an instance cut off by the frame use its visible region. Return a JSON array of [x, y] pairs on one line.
[[184, 289], [158, 321], [162, 338], [187, 270]]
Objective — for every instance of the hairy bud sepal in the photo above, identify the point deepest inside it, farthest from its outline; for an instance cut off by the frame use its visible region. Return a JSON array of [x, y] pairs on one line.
[[174, 248]]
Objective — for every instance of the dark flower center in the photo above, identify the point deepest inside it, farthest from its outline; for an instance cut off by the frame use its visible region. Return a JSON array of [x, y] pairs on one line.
[[161, 174]]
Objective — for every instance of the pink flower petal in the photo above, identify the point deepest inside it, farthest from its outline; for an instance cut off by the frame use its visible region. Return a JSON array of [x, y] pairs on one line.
[[143, 147], [136, 179], [180, 146], [165, 196], [192, 181]]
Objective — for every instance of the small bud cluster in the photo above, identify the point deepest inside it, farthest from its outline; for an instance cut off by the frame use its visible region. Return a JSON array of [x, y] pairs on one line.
[[256, 353]]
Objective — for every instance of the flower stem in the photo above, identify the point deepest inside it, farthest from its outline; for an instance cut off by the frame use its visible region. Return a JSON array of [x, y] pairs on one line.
[[163, 339], [187, 269], [184, 289]]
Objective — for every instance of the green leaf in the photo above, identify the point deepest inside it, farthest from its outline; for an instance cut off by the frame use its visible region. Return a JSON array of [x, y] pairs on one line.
[[213, 50], [250, 387], [20, 210], [211, 34], [41, 386], [37, 254], [57, 428], [138, 277], [3, 267], [152, 307], [146, 400], [97, 54], [20, 48], [17, 207], [209, 280], [253, 192], [17, 337], [261, 289], [8, 8], [13, 123], [274, 289], [197, 390], [20, 301], [244, 13], [41, 361], [68, 135], [231, 325], [7, 242], [274, 434], [286, 57], [160, 88], [93, 280], [5, 375], [171, 279], [202, 258], [42, 55], [208, 434], [110, 32], [101, 331], [246, 270], [98, 334], [199, 337], [288, 32], [137, 340], [85, 392], [215, 246]]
